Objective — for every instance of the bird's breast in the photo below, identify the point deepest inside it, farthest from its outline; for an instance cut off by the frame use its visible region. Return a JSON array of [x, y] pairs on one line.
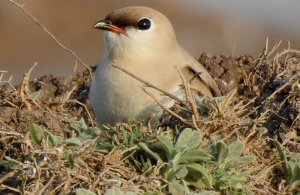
[[117, 96]]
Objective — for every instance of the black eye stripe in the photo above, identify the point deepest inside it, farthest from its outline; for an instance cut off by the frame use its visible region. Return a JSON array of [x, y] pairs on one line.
[[143, 24]]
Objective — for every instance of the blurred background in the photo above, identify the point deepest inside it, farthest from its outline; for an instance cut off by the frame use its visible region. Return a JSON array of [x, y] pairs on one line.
[[233, 27]]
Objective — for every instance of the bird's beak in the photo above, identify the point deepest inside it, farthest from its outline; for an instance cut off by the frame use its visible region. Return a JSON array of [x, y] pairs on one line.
[[108, 26]]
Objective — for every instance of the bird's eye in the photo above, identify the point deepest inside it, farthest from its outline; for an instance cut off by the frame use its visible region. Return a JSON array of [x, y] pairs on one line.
[[144, 24]]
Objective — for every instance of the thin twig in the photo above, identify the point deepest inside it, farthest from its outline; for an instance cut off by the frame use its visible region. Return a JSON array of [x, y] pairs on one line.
[[287, 55], [7, 82], [167, 109], [189, 95], [57, 187], [267, 46], [149, 84], [9, 132], [280, 88], [85, 108], [15, 189], [195, 123], [275, 47], [286, 51], [6, 176], [38, 177], [11, 104], [296, 119], [42, 190], [99, 177], [52, 36], [24, 90], [67, 183]]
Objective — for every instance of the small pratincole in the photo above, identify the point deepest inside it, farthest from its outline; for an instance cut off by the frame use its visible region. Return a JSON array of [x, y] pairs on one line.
[[142, 41]]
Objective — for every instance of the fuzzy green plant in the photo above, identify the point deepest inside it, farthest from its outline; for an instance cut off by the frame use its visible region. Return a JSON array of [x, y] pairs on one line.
[[185, 163], [291, 168], [123, 137], [40, 137], [228, 160]]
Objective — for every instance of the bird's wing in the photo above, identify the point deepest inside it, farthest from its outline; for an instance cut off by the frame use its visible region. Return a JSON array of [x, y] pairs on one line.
[[201, 79]]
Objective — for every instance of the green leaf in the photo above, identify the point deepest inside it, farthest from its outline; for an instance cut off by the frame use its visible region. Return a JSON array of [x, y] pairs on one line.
[[296, 171], [150, 152], [222, 152], [293, 180], [166, 144], [170, 172], [117, 191], [146, 165], [181, 172], [79, 126], [35, 95], [74, 142], [195, 155], [177, 154], [87, 134], [175, 187], [125, 136], [239, 162], [104, 146], [96, 130], [294, 164], [71, 161], [295, 159], [36, 133], [198, 173], [82, 124], [235, 150], [188, 138], [203, 105], [294, 185], [10, 163], [235, 181], [53, 139], [82, 191], [130, 193], [209, 193], [282, 156], [113, 191]]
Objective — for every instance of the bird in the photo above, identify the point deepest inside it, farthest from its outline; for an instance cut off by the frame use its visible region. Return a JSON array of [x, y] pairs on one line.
[[142, 41]]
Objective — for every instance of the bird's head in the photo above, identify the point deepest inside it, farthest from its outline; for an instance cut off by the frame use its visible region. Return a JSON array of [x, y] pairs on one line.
[[137, 28]]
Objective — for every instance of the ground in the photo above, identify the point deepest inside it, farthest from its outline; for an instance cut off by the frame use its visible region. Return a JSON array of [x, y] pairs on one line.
[[51, 143]]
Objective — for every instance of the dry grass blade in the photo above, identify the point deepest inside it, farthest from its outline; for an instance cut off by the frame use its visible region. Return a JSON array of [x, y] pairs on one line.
[[167, 109], [190, 95], [6, 176], [4, 82], [24, 88], [282, 87], [92, 121]]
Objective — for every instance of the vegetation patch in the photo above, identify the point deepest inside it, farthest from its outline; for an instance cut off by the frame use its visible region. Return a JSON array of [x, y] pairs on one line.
[[244, 142]]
